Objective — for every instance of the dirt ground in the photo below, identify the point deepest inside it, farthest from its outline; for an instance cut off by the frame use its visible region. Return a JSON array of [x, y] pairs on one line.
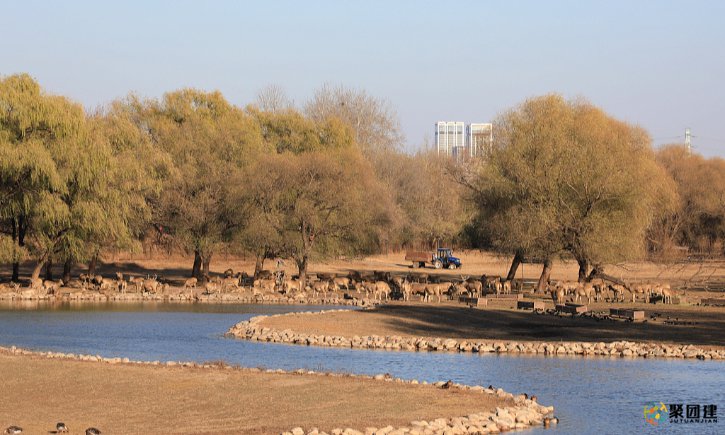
[[705, 277], [130, 399], [457, 321]]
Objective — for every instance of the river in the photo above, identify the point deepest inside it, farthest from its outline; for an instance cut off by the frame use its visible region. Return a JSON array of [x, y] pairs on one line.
[[591, 394]]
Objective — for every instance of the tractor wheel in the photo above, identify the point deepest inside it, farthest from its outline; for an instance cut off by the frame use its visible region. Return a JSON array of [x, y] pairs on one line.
[[437, 264], [451, 266]]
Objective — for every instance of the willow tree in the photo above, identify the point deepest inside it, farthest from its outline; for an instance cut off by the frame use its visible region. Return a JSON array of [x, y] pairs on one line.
[[318, 204], [35, 130], [284, 131], [136, 173], [290, 131], [55, 176], [564, 178], [209, 142]]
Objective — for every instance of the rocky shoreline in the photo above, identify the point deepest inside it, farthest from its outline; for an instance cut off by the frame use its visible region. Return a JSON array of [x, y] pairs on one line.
[[525, 413], [253, 329], [94, 296]]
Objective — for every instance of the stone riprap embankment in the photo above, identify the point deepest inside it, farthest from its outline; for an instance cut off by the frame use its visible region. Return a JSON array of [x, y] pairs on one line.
[[242, 298], [254, 329], [524, 413]]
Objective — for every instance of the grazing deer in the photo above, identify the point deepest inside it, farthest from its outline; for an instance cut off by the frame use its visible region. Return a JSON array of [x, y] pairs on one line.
[[558, 295]]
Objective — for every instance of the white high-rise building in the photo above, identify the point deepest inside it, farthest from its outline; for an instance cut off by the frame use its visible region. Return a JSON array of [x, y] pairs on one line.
[[480, 138], [450, 137], [455, 139]]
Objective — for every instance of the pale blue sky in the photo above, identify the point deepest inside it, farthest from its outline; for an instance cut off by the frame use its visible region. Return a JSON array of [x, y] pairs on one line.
[[659, 64]]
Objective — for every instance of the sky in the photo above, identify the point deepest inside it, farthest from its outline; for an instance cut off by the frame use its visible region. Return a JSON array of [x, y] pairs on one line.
[[657, 64]]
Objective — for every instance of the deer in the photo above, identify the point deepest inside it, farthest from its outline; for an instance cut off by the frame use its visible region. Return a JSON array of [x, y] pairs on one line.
[[382, 289], [474, 286]]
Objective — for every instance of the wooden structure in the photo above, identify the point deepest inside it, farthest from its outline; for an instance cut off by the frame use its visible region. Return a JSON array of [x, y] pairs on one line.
[[715, 302], [530, 305], [572, 308], [635, 315]]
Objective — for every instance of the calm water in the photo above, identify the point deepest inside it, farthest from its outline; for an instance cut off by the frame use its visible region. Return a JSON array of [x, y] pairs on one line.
[[591, 395]]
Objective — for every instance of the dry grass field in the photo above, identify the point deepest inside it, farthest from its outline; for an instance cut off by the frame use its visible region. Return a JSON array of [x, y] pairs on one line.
[[131, 399]]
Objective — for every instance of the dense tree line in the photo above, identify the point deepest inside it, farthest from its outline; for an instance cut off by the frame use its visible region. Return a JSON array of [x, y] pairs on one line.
[[204, 175], [697, 222], [268, 180]]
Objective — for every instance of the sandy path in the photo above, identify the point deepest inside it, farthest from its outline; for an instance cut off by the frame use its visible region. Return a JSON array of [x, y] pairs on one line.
[[130, 399]]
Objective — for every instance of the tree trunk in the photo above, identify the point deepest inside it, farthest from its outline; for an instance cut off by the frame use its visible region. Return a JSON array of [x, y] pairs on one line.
[[258, 264], [302, 268], [583, 269], [19, 230], [544, 278], [49, 270], [196, 269], [205, 269], [92, 264], [67, 267], [518, 258], [597, 270], [37, 269], [16, 271]]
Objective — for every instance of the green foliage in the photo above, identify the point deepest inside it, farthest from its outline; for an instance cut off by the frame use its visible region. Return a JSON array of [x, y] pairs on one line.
[[52, 174], [209, 142], [290, 131]]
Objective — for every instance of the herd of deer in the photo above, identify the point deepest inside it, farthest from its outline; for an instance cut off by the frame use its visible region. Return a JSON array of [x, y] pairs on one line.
[[93, 282], [384, 285], [381, 285], [599, 290]]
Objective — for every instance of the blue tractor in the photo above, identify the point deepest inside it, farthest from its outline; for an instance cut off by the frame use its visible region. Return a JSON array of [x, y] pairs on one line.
[[444, 258]]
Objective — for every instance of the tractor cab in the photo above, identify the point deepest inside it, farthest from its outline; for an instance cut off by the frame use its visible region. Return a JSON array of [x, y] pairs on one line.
[[445, 258]]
